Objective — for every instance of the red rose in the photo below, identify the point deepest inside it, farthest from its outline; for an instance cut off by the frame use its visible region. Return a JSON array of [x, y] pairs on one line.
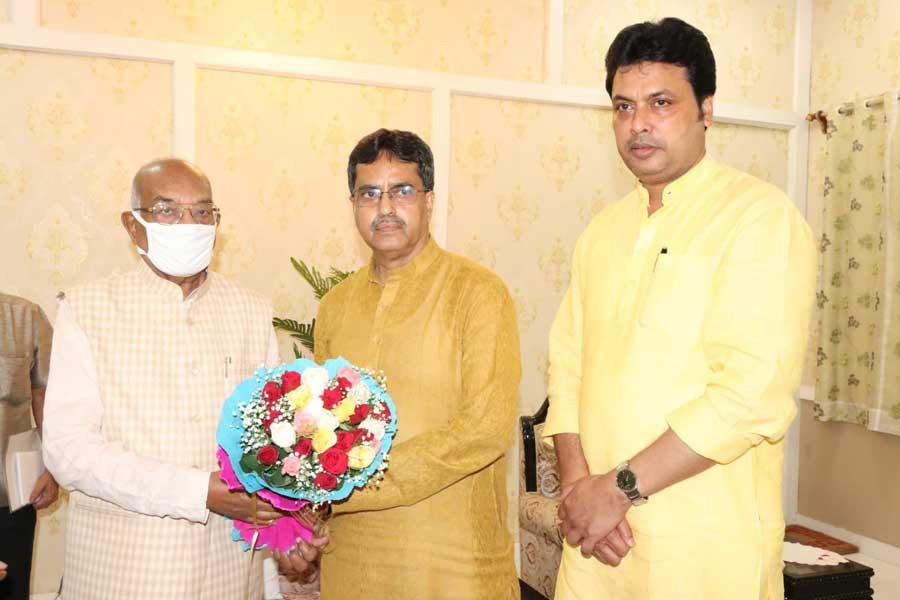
[[303, 446], [361, 412], [267, 455], [271, 392], [344, 383], [331, 398], [363, 435], [385, 414], [326, 481], [290, 381], [270, 418], [334, 460], [345, 441]]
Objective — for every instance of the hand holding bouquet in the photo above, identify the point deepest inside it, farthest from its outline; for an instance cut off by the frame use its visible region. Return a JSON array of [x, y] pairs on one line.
[[300, 436]]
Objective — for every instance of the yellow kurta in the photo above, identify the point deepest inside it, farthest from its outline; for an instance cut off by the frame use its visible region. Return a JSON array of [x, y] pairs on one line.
[[443, 330], [696, 319]]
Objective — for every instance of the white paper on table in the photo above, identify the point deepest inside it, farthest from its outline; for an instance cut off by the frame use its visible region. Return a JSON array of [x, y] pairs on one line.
[[810, 555], [24, 465]]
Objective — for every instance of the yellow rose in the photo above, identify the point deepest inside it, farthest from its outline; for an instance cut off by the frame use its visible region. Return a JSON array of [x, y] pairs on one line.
[[323, 439], [360, 457], [344, 410], [299, 397]]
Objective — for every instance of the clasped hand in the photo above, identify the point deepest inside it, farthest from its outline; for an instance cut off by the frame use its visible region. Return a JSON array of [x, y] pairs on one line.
[[592, 516]]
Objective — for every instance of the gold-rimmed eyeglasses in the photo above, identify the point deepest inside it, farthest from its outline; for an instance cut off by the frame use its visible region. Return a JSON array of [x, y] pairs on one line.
[[399, 194], [171, 213]]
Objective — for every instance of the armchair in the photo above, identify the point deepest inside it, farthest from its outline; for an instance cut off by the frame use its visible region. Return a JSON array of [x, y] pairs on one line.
[[539, 541]]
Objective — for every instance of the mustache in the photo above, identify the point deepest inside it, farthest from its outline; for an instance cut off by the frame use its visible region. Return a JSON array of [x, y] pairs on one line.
[[643, 139], [387, 219]]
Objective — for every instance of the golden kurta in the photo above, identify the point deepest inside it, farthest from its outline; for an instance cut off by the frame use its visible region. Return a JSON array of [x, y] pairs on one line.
[[443, 330], [695, 318]]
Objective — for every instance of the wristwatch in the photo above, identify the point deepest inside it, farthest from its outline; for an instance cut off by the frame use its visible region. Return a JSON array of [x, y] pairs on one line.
[[627, 481]]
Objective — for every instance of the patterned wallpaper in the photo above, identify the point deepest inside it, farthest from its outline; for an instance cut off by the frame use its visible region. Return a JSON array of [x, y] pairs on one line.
[[755, 67], [500, 39], [74, 132], [276, 151]]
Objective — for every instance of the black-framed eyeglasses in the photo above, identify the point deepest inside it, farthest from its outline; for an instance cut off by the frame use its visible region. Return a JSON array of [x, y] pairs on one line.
[[399, 194], [170, 213]]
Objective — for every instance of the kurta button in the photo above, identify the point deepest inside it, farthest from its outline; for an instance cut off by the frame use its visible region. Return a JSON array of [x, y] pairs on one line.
[[195, 371], [195, 418], [189, 321]]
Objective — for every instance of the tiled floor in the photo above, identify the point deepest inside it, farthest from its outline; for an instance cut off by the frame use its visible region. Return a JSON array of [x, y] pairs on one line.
[[886, 581]]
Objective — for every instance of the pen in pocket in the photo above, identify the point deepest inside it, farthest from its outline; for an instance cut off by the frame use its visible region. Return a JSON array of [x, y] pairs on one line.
[[663, 251]]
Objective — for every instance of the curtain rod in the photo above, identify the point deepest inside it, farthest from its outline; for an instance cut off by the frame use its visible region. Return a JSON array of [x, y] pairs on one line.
[[875, 101], [845, 109]]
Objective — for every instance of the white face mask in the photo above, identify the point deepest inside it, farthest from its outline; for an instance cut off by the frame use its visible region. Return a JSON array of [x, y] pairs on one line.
[[178, 250]]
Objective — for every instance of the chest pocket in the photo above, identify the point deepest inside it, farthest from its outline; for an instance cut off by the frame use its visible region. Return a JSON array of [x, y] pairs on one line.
[[677, 295]]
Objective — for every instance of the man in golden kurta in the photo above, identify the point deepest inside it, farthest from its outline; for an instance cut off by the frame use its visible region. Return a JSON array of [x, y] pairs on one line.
[[443, 330], [676, 351]]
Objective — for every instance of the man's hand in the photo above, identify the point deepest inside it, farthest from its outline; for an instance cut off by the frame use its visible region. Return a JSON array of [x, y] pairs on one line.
[[2, 570], [45, 491], [592, 516], [613, 548], [237, 504], [301, 562]]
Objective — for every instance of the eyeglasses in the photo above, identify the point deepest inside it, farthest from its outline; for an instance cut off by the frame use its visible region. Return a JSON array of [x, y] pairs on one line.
[[399, 194], [170, 213]]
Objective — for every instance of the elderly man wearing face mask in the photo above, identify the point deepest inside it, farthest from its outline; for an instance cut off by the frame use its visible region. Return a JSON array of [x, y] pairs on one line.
[[141, 364]]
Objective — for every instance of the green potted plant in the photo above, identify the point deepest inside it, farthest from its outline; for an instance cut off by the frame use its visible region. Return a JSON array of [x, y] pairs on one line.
[[320, 284]]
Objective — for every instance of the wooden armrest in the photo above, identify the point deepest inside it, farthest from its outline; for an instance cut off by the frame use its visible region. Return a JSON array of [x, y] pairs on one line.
[[527, 423]]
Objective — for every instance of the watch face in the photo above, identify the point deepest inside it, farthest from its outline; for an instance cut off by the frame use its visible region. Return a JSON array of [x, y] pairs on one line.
[[626, 480]]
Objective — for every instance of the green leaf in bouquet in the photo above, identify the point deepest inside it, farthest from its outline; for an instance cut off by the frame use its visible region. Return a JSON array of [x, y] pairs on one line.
[[250, 463], [279, 479]]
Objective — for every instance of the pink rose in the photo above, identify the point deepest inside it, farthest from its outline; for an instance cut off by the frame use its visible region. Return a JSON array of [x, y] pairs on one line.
[[304, 423], [290, 465], [349, 374]]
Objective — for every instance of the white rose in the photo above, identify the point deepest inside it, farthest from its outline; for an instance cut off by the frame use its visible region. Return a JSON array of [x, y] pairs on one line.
[[375, 426], [316, 378], [314, 407], [283, 434], [360, 393], [327, 421]]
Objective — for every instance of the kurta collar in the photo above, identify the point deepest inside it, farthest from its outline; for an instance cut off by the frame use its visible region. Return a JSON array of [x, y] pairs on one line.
[[168, 289], [685, 186], [420, 263]]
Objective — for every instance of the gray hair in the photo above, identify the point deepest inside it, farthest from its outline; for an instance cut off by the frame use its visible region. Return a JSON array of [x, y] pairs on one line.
[[135, 193]]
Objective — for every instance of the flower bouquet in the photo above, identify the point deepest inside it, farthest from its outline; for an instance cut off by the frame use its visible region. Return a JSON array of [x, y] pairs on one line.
[[300, 436]]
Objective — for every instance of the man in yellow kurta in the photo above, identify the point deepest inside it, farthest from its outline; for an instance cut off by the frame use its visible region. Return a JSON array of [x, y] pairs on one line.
[[676, 350], [443, 330]]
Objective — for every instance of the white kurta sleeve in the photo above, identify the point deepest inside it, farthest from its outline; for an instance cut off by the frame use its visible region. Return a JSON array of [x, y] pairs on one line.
[[273, 358], [80, 458]]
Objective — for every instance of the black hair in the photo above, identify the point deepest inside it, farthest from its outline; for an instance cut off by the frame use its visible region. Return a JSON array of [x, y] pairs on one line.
[[670, 41], [404, 145]]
